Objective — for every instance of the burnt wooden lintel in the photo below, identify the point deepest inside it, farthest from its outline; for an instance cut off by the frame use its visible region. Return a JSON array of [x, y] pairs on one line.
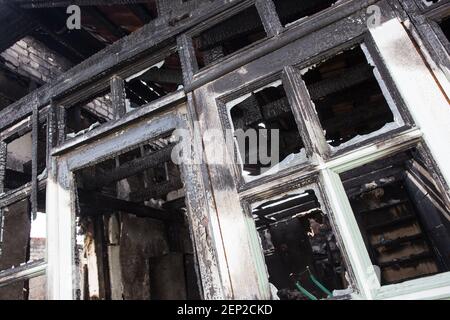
[[97, 204], [118, 97], [129, 169]]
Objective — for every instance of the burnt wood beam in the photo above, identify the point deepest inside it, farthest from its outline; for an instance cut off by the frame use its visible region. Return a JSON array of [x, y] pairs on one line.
[[52, 131], [32, 4], [34, 160], [99, 16], [156, 191], [349, 79], [129, 169], [118, 97], [97, 204], [3, 155], [61, 127], [171, 76]]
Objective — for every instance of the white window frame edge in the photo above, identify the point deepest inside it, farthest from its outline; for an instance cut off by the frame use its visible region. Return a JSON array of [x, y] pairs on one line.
[[428, 287], [421, 90]]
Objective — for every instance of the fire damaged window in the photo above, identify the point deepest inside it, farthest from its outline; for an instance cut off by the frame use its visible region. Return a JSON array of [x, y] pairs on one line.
[[348, 98], [22, 241], [300, 248], [87, 115], [290, 11], [403, 216], [265, 117], [229, 36], [154, 82], [133, 239], [19, 159]]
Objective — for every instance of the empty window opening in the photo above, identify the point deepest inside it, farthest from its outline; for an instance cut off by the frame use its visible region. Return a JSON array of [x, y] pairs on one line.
[[23, 240], [154, 82], [19, 159], [133, 239], [445, 26], [86, 116], [290, 11], [300, 249], [266, 115], [18, 162], [347, 97], [402, 215], [229, 36]]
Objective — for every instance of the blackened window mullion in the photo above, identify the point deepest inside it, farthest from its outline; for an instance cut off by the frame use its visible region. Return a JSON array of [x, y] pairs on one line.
[[34, 160], [304, 112], [187, 57], [371, 49], [269, 17]]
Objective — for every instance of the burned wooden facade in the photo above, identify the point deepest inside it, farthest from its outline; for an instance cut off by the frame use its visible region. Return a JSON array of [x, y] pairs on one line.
[[358, 206]]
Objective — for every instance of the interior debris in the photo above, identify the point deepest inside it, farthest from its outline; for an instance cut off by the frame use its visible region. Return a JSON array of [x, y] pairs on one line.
[[268, 109], [340, 166], [300, 248], [402, 215], [229, 36], [347, 97], [133, 238]]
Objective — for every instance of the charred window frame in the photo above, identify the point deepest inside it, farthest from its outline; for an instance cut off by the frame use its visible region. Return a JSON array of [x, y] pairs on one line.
[[305, 114], [114, 90], [366, 275], [302, 156], [186, 41], [424, 24], [300, 184], [404, 135], [32, 194], [401, 118]]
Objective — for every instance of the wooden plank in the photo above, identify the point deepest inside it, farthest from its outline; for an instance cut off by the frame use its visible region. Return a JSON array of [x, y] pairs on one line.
[[127, 119], [34, 161], [102, 204], [118, 96], [23, 272], [269, 17]]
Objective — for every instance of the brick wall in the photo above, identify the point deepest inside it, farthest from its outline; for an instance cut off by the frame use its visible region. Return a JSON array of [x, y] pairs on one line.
[[30, 58], [33, 60]]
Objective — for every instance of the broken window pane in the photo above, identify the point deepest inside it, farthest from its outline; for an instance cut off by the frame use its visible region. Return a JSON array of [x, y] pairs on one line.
[[86, 116], [18, 162], [266, 132], [16, 226], [133, 239], [19, 158], [291, 11], [229, 36], [403, 217], [300, 248], [154, 82], [348, 99]]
